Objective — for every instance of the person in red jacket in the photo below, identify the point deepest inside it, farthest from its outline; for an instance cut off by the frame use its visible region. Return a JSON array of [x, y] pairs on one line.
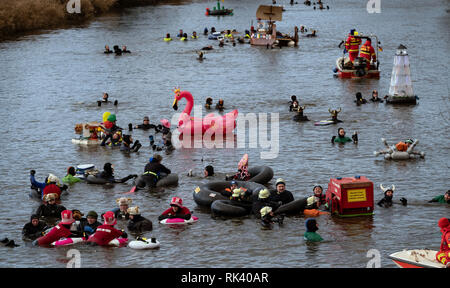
[[352, 45], [176, 210], [368, 52], [106, 232], [443, 256], [62, 230]]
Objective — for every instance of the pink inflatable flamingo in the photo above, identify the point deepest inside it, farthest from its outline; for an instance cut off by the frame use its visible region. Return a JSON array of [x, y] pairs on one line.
[[212, 123]]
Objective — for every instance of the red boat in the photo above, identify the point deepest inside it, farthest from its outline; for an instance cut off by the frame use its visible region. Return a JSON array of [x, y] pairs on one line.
[[358, 69], [418, 258]]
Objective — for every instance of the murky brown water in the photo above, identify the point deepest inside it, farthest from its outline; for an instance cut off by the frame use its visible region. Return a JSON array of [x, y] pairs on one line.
[[51, 81]]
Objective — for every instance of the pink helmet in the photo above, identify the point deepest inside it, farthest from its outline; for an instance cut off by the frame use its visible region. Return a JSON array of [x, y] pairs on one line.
[[165, 123], [177, 201], [66, 217], [109, 218]]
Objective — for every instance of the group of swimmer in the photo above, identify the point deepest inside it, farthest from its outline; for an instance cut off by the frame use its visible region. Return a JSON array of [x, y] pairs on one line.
[[117, 50], [71, 224]]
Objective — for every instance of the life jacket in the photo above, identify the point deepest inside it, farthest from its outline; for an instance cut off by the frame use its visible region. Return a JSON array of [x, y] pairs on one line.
[[401, 146], [367, 51], [167, 39], [445, 243], [352, 43]]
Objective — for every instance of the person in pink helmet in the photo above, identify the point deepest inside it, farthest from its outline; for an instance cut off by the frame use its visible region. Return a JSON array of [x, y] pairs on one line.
[[62, 230], [106, 232], [176, 210]]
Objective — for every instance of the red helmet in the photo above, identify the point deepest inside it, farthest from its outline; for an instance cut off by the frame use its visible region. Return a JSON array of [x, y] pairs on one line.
[[177, 201], [109, 218]]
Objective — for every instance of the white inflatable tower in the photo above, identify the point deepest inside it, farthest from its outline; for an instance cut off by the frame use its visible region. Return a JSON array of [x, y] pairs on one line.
[[401, 90]]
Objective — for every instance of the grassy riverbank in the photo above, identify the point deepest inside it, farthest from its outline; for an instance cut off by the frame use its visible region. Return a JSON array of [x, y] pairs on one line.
[[21, 16]]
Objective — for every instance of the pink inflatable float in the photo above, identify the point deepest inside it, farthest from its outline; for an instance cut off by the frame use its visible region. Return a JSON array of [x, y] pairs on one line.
[[212, 123], [178, 221]]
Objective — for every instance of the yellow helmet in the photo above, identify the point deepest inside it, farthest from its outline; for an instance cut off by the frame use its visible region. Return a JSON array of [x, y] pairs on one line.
[[266, 210], [356, 33]]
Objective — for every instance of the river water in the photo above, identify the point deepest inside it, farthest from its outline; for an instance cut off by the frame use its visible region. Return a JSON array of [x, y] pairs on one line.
[[50, 81]]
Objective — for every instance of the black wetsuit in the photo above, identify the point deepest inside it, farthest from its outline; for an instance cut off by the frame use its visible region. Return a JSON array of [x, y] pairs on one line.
[[261, 203], [139, 224], [31, 232], [50, 210], [146, 126], [152, 173], [285, 197]]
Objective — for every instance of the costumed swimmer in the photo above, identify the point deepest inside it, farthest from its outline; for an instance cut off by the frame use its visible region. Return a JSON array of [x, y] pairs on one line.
[[311, 228], [387, 202]]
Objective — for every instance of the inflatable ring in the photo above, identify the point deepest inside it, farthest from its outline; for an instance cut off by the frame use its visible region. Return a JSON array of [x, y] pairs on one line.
[[207, 193], [91, 179], [294, 207], [143, 244], [178, 221], [260, 174], [169, 180], [228, 208]]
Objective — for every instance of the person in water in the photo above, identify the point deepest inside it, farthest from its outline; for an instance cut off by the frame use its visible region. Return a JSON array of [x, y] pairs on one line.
[[105, 97], [107, 50], [154, 171], [176, 210], [35, 185], [121, 212], [334, 114], [49, 209], [318, 192], [293, 104], [313, 34], [61, 230], [108, 174], [359, 100], [34, 229], [312, 202], [77, 226], [442, 198], [209, 171], [342, 139], [386, 201], [117, 50], [268, 218], [243, 198], [194, 35], [167, 38], [375, 97], [281, 194], [184, 37], [209, 47], [110, 128], [242, 174], [262, 201], [137, 223], [180, 33], [53, 186], [124, 49], [91, 224], [209, 102], [145, 124], [106, 232], [229, 191], [311, 227], [127, 140], [404, 145], [70, 177], [443, 256], [205, 31]]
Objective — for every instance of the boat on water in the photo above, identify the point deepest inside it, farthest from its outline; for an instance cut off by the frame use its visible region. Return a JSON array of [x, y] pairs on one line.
[[89, 134], [219, 11], [266, 33], [416, 258], [358, 69]]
